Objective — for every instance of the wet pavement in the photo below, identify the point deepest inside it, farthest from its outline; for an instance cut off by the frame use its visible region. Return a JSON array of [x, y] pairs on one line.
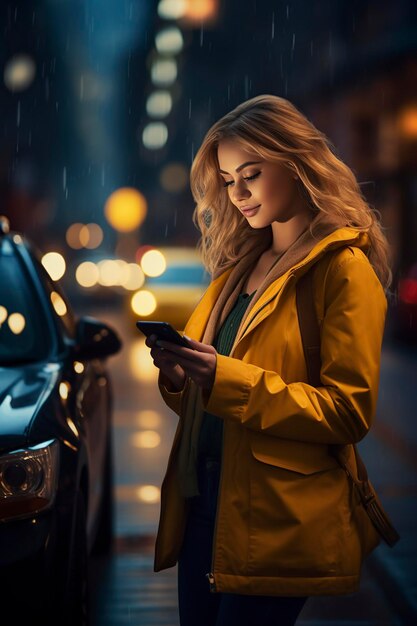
[[125, 588]]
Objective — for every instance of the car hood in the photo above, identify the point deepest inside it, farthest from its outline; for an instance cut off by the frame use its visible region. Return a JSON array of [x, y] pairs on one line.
[[23, 390]]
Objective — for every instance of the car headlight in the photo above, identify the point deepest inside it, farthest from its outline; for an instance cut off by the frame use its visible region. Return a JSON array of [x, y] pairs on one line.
[[28, 480]]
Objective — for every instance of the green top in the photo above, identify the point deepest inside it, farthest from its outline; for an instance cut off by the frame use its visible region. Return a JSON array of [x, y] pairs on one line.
[[210, 438]]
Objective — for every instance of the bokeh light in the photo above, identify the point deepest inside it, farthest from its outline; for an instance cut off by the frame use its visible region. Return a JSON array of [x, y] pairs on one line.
[[159, 103], [148, 493], [407, 291], [146, 439], [125, 209], [148, 418], [163, 72], [153, 263], [155, 135], [3, 314], [408, 122], [73, 236], [19, 72], [174, 177], [172, 9], [109, 272], [124, 271], [58, 304], [64, 389], [78, 367], [201, 10], [141, 362], [87, 274], [143, 303], [95, 236], [135, 278], [16, 323], [169, 40], [73, 427], [84, 236], [54, 263]]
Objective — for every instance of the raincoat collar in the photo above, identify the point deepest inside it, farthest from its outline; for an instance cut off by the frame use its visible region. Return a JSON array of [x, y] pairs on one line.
[[222, 292]]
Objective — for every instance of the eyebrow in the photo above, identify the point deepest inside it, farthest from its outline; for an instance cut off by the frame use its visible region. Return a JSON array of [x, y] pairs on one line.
[[241, 166]]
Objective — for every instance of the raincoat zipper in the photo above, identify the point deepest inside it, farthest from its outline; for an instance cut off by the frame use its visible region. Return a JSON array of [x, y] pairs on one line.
[[212, 584], [210, 575]]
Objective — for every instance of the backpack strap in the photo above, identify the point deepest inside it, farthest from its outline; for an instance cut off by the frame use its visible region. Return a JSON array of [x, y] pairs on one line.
[[310, 336]]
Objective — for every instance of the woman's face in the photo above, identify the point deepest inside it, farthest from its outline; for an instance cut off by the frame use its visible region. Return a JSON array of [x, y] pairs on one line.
[[272, 187]]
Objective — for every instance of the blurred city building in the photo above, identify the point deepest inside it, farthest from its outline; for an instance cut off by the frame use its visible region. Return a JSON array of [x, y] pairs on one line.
[[99, 98]]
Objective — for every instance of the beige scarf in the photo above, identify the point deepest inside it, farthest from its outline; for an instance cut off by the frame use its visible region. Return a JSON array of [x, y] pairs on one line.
[[192, 408]]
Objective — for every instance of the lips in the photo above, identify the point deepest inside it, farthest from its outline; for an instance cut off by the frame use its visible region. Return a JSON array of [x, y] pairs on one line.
[[250, 210]]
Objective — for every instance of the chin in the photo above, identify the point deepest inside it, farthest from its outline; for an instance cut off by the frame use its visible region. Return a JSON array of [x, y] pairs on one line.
[[258, 225], [259, 222]]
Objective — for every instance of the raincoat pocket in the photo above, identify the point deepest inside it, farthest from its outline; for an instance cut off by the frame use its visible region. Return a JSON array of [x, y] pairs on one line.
[[299, 509], [296, 456]]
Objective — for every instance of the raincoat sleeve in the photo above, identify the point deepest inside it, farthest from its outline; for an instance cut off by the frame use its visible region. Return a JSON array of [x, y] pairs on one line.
[[342, 409], [172, 399]]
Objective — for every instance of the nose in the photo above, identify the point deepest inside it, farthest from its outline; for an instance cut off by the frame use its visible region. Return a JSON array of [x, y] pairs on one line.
[[240, 192]]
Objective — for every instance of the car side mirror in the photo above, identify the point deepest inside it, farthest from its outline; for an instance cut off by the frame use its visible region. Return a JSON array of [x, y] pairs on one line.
[[95, 340]]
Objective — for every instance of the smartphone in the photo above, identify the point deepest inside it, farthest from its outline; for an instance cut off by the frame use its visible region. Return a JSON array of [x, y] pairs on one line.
[[163, 331]]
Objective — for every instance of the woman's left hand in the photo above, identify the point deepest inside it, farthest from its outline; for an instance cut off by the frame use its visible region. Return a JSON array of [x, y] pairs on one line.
[[198, 361]]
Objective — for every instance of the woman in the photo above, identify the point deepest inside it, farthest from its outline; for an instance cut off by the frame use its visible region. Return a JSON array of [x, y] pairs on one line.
[[254, 507]]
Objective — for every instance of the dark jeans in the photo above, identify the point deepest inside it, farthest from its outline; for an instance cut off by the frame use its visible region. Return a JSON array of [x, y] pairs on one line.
[[197, 605]]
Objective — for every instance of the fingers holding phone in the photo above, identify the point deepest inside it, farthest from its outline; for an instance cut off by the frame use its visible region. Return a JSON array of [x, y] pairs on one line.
[[174, 375]]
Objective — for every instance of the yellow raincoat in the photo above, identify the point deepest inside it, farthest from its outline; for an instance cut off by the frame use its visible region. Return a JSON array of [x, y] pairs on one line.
[[288, 521]]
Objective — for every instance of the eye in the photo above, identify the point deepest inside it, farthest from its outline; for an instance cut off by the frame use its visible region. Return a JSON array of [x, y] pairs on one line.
[[252, 177], [247, 178]]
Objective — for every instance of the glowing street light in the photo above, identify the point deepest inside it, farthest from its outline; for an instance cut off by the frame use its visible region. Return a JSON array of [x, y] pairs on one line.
[[19, 72], [169, 40], [125, 209], [172, 9], [148, 493], [155, 135], [201, 10], [153, 263], [143, 303], [408, 122], [87, 274], [164, 72], [159, 103]]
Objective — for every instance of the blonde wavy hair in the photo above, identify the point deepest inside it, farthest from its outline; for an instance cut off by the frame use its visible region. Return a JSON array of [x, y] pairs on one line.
[[273, 128]]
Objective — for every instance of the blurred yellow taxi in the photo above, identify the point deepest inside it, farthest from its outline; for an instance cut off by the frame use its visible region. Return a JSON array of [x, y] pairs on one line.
[[175, 280]]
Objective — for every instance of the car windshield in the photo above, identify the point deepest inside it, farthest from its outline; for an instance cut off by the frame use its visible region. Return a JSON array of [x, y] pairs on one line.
[[22, 326]]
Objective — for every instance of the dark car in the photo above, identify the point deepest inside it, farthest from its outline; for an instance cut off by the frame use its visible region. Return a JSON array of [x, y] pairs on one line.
[[55, 443]]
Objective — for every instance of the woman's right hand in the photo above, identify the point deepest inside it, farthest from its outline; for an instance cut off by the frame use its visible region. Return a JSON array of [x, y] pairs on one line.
[[173, 375]]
